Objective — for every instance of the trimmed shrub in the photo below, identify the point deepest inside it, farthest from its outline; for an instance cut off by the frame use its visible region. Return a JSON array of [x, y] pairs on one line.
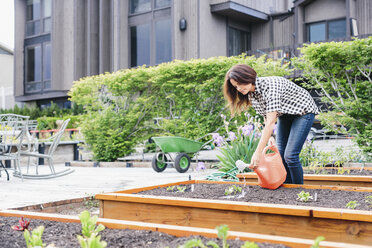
[[182, 98]]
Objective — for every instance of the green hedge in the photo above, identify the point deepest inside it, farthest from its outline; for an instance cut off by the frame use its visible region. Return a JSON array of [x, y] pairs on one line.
[[46, 123], [187, 95], [342, 73]]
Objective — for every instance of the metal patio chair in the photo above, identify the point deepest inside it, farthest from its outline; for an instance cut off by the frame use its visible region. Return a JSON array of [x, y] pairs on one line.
[[54, 142], [12, 132]]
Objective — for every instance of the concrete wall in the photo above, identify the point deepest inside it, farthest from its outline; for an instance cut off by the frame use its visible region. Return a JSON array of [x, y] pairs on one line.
[[19, 25], [324, 10], [213, 28], [186, 43], [62, 39], [266, 6]]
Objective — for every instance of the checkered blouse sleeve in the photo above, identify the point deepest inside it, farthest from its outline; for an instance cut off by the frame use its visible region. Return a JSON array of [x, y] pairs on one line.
[[278, 94], [272, 93]]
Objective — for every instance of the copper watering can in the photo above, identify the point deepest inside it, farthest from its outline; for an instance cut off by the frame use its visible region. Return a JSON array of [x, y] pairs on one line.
[[270, 170]]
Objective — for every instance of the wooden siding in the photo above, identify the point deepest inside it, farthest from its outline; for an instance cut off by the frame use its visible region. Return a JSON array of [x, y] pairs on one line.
[[260, 36], [185, 42], [283, 31], [364, 16]]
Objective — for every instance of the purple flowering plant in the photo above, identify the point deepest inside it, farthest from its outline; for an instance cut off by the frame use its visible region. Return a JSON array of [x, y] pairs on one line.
[[239, 144]]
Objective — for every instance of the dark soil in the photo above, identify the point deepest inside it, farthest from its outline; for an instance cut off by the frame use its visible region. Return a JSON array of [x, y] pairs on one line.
[[321, 197], [344, 171], [64, 235]]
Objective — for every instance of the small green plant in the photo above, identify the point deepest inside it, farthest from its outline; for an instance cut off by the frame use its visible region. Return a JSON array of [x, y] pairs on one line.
[[91, 202], [170, 188], [250, 245], [304, 196], [222, 233], [34, 239], [181, 189], [342, 171], [233, 190], [317, 241], [90, 238], [369, 200], [352, 204]]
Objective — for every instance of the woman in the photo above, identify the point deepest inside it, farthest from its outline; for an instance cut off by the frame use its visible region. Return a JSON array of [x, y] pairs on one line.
[[274, 98]]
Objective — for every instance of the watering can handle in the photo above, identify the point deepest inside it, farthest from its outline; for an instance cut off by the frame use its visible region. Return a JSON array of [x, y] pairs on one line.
[[272, 147]]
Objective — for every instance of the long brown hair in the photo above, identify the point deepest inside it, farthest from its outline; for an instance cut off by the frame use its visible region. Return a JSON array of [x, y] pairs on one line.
[[243, 74]]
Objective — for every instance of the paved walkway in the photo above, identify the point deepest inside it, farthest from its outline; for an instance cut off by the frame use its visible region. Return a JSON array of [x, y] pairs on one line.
[[84, 181]]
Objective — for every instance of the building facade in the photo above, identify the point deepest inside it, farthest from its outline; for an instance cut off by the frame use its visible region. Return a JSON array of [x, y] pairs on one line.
[[6, 77], [57, 42]]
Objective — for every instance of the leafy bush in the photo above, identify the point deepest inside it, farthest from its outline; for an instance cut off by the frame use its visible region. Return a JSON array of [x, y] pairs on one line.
[[52, 111], [342, 71], [46, 123], [184, 96]]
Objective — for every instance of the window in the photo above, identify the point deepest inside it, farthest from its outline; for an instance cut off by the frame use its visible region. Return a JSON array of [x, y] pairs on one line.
[[38, 17], [38, 69], [140, 41], [163, 41], [239, 41], [326, 30], [150, 32]]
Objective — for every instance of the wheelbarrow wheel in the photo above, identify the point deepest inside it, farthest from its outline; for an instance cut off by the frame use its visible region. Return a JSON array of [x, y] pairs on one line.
[[159, 162], [182, 162]]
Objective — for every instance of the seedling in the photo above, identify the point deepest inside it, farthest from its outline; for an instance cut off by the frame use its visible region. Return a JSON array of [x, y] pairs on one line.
[[23, 225], [222, 233], [250, 245], [304, 196], [233, 190], [170, 188], [181, 189], [90, 231], [317, 241], [369, 200], [352, 204], [34, 239], [342, 171]]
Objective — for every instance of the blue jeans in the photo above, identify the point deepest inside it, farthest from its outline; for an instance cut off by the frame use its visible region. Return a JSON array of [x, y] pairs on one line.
[[292, 131]]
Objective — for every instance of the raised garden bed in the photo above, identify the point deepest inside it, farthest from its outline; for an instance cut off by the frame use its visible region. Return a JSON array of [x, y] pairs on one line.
[[342, 225], [328, 176], [62, 230]]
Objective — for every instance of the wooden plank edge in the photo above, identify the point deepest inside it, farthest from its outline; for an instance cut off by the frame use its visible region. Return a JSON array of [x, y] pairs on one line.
[[209, 204], [343, 178], [180, 231]]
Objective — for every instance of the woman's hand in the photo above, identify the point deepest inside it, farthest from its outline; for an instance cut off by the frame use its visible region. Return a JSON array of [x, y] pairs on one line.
[[271, 141], [255, 160]]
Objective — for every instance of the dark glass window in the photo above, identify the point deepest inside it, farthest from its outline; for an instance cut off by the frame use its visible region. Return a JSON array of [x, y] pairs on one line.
[[163, 41], [38, 67], [33, 64], [38, 17], [317, 32], [138, 6], [326, 30], [140, 45], [239, 41], [336, 29], [162, 3], [150, 32], [47, 69], [33, 10]]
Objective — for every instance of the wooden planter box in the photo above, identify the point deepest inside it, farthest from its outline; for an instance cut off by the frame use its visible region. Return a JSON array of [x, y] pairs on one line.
[[338, 225], [180, 231], [318, 179]]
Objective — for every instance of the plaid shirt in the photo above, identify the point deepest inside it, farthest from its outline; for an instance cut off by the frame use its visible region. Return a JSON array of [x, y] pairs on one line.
[[281, 95]]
